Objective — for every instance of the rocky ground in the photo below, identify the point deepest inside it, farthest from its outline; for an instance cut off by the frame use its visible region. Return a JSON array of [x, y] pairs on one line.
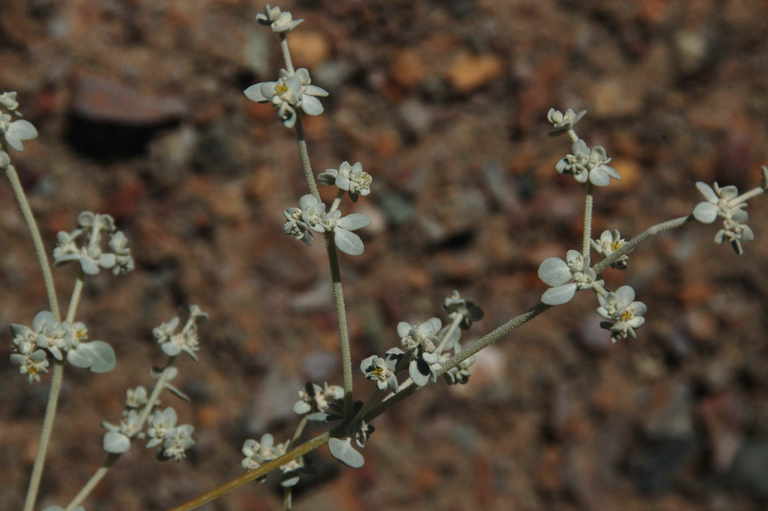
[[141, 115]]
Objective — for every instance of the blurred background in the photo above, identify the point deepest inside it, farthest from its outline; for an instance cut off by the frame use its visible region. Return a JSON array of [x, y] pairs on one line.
[[141, 115]]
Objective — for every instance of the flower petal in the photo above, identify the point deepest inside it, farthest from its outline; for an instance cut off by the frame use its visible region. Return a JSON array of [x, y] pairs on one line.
[[559, 295], [705, 212], [554, 272], [115, 442], [354, 221], [348, 242], [707, 191], [624, 296], [342, 450], [311, 105], [19, 131]]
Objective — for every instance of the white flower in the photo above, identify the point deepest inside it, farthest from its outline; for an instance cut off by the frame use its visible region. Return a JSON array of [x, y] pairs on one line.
[[277, 19], [136, 397], [289, 92], [257, 453], [31, 364], [423, 334], [587, 164], [314, 398], [350, 178], [424, 367], [315, 217], [382, 369], [161, 424], [726, 203], [609, 242], [296, 227], [90, 253], [178, 441], [468, 310], [186, 340], [117, 439], [564, 121], [565, 277], [622, 313]]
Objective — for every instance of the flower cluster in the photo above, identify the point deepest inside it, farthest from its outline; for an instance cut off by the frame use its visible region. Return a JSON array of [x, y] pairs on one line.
[[311, 216], [85, 245], [621, 312], [58, 339], [566, 277], [293, 90], [587, 164], [257, 453], [348, 178], [141, 420], [14, 131], [172, 342], [383, 370], [277, 19], [564, 121], [317, 400], [609, 242], [725, 202]]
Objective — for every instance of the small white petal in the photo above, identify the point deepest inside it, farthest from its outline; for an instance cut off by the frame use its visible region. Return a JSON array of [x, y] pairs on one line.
[[403, 328], [554, 272], [705, 212], [18, 131], [116, 443], [311, 105], [314, 90], [624, 296], [599, 177], [707, 191], [354, 221], [348, 242], [342, 450], [559, 295], [417, 376]]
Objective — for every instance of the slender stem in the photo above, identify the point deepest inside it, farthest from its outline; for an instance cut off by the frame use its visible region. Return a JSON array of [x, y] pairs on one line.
[[74, 302], [631, 244], [37, 240], [288, 499], [301, 450], [93, 482], [744, 197], [155, 395], [448, 333], [306, 164], [341, 312], [299, 431], [286, 53], [587, 235], [53, 303], [45, 435]]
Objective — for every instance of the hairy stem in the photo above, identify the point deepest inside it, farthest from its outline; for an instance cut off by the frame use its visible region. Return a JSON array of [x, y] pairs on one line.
[[53, 303], [306, 164], [286, 52], [74, 302], [93, 482], [341, 313], [587, 235]]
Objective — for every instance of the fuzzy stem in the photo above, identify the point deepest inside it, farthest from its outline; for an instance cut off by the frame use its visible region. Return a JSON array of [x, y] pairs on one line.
[[53, 303], [286, 53], [93, 482], [341, 312], [744, 197], [306, 164], [74, 302], [587, 235], [631, 244]]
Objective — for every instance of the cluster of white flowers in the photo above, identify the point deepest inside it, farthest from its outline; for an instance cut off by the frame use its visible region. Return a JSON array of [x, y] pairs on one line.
[[609, 242], [160, 426], [85, 245], [58, 339], [348, 178], [426, 348], [311, 216], [621, 312], [566, 277], [172, 342], [725, 202], [317, 400], [584, 163], [293, 90], [257, 453], [14, 129], [277, 19]]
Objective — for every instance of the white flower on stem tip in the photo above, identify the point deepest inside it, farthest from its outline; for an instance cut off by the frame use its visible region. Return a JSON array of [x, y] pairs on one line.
[[563, 121], [31, 364], [565, 277], [623, 315], [382, 369], [469, 311], [136, 397], [349, 178], [315, 217], [92, 256], [609, 242], [277, 19], [173, 343], [291, 91], [421, 334], [317, 399], [16, 131], [587, 164], [117, 439], [257, 453], [178, 441], [726, 203], [161, 423]]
